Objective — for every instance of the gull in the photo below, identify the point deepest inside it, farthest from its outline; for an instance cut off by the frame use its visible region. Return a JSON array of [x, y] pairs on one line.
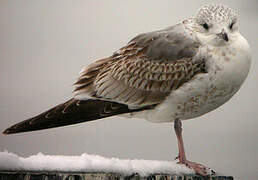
[[177, 73]]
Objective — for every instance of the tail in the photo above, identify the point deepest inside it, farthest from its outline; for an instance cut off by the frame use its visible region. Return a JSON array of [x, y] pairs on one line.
[[71, 112]]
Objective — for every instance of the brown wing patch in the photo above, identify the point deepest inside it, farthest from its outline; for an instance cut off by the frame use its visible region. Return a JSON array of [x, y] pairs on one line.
[[84, 84], [130, 77]]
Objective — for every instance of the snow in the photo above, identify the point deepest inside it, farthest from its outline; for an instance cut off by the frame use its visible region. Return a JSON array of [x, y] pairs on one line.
[[88, 163]]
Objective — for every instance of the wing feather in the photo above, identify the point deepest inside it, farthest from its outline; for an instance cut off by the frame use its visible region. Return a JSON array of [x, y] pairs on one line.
[[72, 112], [145, 71]]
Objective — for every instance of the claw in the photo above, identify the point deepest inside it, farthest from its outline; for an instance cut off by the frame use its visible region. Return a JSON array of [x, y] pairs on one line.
[[212, 172], [198, 168]]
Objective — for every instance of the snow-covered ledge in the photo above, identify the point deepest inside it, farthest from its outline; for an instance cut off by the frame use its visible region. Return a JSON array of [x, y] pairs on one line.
[[100, 176], [88, 167]]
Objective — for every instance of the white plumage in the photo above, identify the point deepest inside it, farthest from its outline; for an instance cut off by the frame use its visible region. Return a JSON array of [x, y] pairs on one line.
[[227, 68]]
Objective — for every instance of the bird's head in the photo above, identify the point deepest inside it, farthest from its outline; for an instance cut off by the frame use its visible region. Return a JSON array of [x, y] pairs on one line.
[[216, 25]]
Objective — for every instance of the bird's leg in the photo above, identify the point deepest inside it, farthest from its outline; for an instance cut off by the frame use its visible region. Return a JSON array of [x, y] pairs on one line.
[[178, 130], [198, 168]]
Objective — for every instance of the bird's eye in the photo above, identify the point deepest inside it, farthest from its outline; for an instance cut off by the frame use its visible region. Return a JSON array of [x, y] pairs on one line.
[[231, 25], [205, 26]]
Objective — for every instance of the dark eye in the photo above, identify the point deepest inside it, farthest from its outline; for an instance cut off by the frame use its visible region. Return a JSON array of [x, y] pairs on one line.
[[205, 26], [231, 25]]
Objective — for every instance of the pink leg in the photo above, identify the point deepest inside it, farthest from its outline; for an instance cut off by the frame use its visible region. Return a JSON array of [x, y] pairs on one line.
[[198, 168]]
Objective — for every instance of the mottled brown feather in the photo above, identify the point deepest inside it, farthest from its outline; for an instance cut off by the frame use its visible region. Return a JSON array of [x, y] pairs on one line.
[[138, 75]]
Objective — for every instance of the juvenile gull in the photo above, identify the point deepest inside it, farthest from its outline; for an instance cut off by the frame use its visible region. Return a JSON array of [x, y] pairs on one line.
[[177, 73]]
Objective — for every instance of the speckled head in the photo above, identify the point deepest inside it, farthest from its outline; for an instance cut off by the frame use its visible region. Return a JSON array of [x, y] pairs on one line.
[[216, 24], [215, 13]]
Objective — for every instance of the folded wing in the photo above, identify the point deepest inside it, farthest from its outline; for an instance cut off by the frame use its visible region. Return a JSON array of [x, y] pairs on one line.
[[145, 71]]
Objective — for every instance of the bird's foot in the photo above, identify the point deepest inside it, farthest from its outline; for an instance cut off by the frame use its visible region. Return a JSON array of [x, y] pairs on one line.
[[198, 168]]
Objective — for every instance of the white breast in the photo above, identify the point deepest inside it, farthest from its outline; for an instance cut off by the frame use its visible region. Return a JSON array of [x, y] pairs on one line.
[[227, 69]]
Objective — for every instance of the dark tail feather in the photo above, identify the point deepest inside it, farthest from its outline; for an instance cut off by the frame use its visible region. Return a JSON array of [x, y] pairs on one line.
[[71, 112]]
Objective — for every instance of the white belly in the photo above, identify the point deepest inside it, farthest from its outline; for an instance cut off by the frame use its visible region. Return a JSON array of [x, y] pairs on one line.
[[205, 92]]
